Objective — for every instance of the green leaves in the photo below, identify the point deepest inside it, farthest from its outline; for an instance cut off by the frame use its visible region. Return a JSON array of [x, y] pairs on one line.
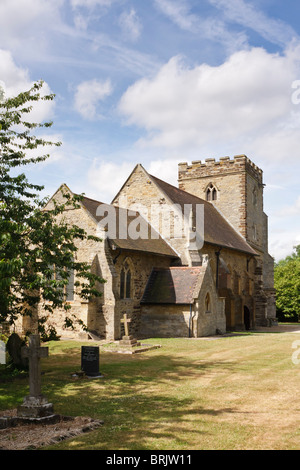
[[15, 132], [287, 285], [37, 248]]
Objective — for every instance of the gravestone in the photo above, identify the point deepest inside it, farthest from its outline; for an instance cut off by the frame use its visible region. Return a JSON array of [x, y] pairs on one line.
[[14, 348], [90, 361], [2, 352], [35, 405]]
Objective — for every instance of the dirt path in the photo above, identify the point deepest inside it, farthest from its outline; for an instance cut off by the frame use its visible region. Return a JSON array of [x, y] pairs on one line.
[[34, 436], [280, 328]]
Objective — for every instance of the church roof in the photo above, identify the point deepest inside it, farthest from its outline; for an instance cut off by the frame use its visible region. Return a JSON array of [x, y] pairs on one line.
[[217, 231], [123, 221], [175, 285]]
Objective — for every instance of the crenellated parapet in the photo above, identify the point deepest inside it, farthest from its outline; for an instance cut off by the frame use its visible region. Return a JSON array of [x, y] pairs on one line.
[[212, 167]]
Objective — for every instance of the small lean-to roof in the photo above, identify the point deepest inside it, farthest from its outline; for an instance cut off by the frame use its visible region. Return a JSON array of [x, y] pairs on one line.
[[175, 285], [121, 219], [217, 231]]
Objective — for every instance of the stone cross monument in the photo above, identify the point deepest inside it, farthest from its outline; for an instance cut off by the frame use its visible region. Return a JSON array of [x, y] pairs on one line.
[[35, 405], [127, 340], [125, 321]]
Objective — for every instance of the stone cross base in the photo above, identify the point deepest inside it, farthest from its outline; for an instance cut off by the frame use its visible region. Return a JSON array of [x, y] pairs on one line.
[[35, 407], [128, 341]]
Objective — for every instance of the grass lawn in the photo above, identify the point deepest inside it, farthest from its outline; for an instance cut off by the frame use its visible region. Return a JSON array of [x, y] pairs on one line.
[[238, 392]]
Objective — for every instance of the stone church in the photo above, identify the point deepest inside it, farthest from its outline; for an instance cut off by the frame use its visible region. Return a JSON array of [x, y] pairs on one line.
[[184, 261]]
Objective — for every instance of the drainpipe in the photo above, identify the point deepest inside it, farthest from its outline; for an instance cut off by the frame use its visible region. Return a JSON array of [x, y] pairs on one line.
[[190, 321]]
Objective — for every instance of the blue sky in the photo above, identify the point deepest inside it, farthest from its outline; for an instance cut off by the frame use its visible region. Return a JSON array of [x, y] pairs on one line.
[[159, 82]]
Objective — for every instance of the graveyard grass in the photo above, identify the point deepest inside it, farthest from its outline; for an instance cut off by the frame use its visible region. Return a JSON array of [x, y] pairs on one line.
[[238, 392]]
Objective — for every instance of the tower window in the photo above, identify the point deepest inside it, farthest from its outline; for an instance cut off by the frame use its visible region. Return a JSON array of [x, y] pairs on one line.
[[211, 193]]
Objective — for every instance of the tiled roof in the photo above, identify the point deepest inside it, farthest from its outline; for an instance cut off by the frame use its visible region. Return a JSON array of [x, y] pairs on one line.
[[176, 285], [151, 243], [217, 230]]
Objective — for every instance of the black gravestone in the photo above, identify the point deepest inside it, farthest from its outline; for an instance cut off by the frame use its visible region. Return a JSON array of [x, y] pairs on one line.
[[90, 360]]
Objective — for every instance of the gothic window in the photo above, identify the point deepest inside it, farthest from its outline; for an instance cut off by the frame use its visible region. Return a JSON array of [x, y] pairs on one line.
[[122, 284], [125, 282], [67, 289], [211, 193], [207, 303]]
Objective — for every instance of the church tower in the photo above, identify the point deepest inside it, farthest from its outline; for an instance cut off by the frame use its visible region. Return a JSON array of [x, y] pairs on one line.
[[235, 188]]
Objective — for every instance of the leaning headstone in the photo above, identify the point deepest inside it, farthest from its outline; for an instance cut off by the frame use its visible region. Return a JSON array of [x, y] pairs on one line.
[[35, 405], [14, 348], [2, 352], [90, 361]]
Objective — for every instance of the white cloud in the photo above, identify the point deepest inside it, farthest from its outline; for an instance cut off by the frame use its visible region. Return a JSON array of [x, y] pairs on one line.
[[166, 170], [84, 11], [292, 209], [26, 21], [89, 94], [281, 243], [239, 104], [16, 79], [106, 178], [130, 24], [233, 11], [247, 15], [91, 3], [179, 12], [211, 28]]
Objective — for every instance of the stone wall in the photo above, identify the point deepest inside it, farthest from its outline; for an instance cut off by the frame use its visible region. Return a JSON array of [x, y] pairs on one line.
[[201, 318], [235, 181], [165, 321], [239, 184], [140, 193], [210, 318], [141, 265], [237, 287], [98, 314]]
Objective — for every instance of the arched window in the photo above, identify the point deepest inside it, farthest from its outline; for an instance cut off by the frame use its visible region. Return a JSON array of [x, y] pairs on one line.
[[125, 282], [207, 303], [211, 193], [67, 290]]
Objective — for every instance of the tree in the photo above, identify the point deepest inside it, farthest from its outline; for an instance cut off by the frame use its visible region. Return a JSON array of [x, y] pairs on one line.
[[33, 244], [287, 284]]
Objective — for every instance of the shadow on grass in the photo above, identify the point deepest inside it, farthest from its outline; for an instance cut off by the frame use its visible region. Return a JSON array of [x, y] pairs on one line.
[[140, 400], [143, 400]]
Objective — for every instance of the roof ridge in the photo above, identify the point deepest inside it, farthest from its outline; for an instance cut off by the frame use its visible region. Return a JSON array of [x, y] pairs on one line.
[[179, 189], [172, 191], [91, 199]]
